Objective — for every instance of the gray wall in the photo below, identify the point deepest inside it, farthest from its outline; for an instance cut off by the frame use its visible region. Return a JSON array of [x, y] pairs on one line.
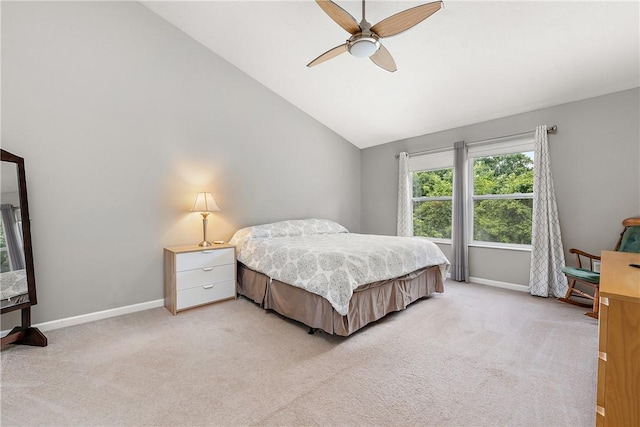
[[121, 119], [595, 159]]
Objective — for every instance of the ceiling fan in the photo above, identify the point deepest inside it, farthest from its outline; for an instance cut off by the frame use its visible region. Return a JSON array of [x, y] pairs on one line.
[[365, 38]]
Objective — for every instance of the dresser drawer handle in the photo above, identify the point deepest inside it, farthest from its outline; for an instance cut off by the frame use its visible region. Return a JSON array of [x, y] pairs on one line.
[[207, 287], [207, 269], [602, 355], [206, 252]]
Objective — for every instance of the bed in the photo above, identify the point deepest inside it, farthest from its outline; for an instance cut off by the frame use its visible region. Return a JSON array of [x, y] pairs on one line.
[[318, 273]]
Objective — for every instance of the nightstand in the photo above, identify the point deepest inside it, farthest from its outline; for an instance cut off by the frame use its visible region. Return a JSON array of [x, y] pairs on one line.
[[196, 275]]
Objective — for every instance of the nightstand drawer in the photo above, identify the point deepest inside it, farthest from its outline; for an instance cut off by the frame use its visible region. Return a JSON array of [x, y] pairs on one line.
[[204, 258], [204, 276], [204, 294], [195, 276]]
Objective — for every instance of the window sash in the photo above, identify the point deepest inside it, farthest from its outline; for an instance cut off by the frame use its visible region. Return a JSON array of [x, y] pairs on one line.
[[444, 160], [428, 198], [429, 163], [503, 196], [493, 150]]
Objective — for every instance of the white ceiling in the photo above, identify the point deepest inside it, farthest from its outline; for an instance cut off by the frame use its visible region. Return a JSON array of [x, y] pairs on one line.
[[471, 61]]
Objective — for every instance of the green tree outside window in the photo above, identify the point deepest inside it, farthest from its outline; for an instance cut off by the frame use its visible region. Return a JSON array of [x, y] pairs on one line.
[[506, 218], [502, 200], [432, 207]]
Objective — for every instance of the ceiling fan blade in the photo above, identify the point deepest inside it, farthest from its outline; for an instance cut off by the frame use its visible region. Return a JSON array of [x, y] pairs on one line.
[[340, 16], [383, 59], [331, 53], [404, 20]]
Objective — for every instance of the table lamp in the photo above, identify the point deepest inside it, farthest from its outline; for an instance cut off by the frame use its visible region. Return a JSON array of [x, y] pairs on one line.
[[205, 204]]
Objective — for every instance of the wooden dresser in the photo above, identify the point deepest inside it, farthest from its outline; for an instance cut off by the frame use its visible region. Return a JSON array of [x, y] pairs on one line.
[[618, 395]]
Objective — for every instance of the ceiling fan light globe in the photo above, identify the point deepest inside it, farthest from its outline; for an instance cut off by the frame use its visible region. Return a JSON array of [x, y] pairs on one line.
[[364, 47]]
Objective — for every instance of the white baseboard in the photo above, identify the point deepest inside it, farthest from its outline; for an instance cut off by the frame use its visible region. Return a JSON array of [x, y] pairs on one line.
[[98, 315], [503, 285]]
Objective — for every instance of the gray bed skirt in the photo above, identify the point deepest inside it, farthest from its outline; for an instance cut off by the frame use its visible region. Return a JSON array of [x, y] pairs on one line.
[[369, 302]]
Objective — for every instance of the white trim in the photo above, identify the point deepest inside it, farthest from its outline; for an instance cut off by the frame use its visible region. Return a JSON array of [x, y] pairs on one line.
[[439, 240], [432, 161], [497, 245], [496, 284], [517, 145], [98, 315], [502, 196]]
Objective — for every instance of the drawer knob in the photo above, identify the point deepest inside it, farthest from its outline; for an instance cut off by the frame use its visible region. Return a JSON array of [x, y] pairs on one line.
[[207, 287]]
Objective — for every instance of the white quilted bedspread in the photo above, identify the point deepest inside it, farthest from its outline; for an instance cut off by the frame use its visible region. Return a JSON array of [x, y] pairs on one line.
[[334, 264]]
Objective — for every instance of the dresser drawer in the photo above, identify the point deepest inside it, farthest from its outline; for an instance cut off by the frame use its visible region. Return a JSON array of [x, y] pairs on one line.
[[205, 258], [204, 276], [199, 295]]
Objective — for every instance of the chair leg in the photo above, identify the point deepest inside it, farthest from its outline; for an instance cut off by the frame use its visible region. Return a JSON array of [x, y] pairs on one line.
[[570, 291], [596, 304], [572, 283]]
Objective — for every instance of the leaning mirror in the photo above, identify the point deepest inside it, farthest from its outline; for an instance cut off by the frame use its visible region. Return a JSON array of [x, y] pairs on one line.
[[17, 276]]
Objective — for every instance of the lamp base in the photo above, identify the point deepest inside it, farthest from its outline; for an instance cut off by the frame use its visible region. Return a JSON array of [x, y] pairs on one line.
[[204, 242]]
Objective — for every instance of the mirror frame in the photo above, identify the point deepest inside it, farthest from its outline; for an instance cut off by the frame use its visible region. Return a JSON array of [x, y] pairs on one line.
[[26, 232], [24, 334]]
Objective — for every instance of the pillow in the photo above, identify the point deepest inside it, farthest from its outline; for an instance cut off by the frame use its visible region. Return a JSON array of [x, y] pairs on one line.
[[290, 228]]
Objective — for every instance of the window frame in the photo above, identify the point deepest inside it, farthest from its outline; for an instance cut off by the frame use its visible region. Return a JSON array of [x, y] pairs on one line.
[[436, 160], [433, 199], [443, 159], [515, 146]]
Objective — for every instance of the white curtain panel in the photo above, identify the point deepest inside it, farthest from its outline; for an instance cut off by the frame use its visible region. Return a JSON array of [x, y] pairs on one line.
[[405, 209], [547, 253]]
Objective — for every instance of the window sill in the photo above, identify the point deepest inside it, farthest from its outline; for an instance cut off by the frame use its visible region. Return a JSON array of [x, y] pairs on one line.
[[503, 246], [438, 240]]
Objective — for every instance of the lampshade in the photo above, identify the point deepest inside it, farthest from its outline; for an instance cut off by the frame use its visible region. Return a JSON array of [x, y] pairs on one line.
[[364, 47], [204, 203]]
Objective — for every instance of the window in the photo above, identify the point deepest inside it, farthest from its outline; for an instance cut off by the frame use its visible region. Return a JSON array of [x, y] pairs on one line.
[[432, 177], [501, 206], [500, 188], [432, 203]]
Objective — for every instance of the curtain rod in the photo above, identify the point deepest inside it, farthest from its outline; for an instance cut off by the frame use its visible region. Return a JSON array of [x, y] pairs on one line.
[[550, 129]]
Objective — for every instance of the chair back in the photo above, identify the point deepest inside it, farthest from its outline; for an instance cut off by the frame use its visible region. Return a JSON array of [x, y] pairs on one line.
[[629, 240]]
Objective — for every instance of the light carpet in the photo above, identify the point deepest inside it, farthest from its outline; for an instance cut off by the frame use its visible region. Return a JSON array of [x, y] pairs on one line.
[[473, 356]]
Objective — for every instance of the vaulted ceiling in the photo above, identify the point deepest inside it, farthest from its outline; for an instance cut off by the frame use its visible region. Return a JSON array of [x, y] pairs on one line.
[[471, 61]]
